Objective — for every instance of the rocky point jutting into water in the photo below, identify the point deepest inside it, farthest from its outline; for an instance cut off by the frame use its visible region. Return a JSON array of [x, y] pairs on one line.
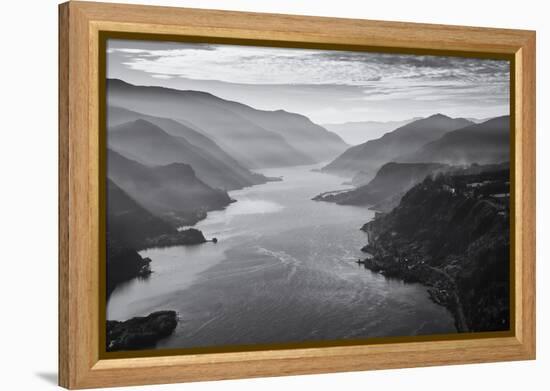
[[140, 332], [384, 191], [130, 227], [451, 232], [130, 224], [123, 264]]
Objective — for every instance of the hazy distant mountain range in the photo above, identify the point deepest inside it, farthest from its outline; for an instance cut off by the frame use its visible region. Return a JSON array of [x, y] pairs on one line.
[[484, 143], [369, 156], [255, 138], [235, 175], [382, 171], [173, 155], [147, 139], [359, 132], [176, 153], [171, 191]]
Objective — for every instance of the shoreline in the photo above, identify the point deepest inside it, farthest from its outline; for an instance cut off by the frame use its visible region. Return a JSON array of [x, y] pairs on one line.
[[174, 266], [441, 287], [449, 233]]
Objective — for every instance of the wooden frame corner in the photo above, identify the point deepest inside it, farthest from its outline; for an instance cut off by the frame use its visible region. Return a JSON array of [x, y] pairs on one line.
[[80, 25]]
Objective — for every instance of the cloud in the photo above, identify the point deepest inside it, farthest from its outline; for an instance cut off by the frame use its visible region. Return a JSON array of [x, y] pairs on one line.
[[162, 76], [286, 78], [246, 64]]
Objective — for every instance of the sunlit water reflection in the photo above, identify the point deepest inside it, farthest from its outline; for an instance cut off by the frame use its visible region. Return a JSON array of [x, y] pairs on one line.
[[283, 270]]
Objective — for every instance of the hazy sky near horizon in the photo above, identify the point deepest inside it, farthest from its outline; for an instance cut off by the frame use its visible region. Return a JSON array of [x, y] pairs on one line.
[[327, 86]]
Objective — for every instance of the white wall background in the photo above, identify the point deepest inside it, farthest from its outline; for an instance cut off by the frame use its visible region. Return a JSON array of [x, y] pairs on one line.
[[28, 196]]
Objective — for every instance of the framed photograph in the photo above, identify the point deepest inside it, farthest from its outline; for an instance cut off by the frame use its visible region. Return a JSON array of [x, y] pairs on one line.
[[247, 195]]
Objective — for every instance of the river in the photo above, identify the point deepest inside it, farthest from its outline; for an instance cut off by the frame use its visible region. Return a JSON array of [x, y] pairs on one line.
[[283, 271]]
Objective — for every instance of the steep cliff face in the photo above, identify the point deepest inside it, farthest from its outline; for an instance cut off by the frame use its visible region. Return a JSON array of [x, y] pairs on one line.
[[451, 233]]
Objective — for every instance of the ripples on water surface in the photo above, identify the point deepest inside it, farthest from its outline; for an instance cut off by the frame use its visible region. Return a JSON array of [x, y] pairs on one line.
[[282, 271]]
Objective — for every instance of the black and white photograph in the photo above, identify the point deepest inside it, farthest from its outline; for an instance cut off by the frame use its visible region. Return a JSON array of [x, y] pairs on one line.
[[270, 196]]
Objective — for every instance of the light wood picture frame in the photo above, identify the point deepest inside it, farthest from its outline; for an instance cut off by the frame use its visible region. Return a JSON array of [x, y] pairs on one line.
[[82, 29]]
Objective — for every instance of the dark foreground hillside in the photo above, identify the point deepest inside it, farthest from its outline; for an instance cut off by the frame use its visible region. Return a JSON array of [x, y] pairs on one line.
[[130, 227], [451, 233]]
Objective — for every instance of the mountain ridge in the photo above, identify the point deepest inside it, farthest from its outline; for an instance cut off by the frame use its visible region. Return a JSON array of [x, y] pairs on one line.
[[225, 122], [390, 182], [172, 192], [151, 144], [359, 132], [369, 156], [484, 143]]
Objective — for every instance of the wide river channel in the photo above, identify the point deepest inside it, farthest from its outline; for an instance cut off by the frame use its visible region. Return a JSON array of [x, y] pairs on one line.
[[283, 271]]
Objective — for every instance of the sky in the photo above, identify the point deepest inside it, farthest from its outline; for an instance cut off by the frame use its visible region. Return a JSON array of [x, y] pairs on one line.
[[327, 86]]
